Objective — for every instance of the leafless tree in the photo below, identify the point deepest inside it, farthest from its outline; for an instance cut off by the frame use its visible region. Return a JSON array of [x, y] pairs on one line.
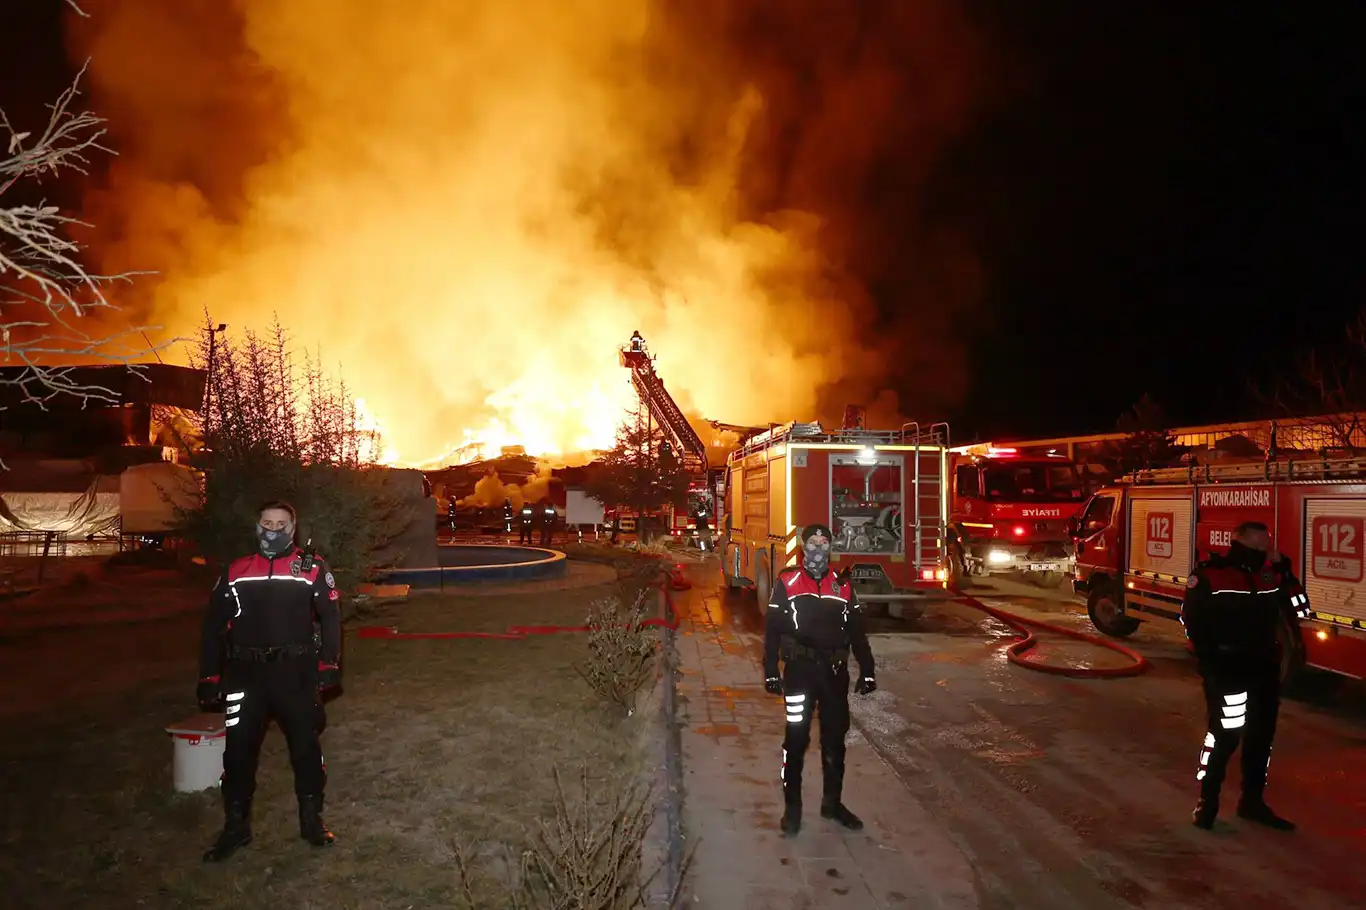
[[1321, 405], [47, 296]]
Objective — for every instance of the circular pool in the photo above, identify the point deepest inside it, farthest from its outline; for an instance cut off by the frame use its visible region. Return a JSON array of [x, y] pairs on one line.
[[465, 562]]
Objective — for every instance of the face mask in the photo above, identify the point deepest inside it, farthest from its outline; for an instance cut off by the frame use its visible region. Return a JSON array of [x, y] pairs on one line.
[[817, 557], [273, 543]]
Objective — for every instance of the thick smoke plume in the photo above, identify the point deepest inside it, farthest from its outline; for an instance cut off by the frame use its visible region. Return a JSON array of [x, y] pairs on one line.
[[470, 204]]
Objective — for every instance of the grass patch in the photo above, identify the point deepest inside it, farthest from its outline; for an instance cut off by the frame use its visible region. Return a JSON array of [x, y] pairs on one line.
[[437, 749]]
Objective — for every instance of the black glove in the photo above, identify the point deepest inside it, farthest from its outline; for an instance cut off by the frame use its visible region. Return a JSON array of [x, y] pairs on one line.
[[209, 694], [773, 686], [865, 685], [329, 677]]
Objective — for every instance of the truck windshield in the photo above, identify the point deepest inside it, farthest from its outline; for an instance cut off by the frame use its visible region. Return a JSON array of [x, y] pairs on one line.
[[1032, 483]]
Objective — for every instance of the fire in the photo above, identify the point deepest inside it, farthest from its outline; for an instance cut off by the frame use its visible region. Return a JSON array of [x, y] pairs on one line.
[[471, 205]]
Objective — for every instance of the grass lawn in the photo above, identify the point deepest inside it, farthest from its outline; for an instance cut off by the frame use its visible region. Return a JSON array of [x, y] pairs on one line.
[[433, 742]]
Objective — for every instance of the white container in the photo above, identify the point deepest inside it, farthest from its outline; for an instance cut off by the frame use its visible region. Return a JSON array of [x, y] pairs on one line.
[[197, 762]]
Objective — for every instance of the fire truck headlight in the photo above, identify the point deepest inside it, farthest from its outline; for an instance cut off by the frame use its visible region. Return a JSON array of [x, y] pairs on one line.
[[998, 557]]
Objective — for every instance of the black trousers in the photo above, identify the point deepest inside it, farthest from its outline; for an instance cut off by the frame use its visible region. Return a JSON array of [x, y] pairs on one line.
[[811, 686], [256, 692], [545, 535], [525, 535], [1242, 709]]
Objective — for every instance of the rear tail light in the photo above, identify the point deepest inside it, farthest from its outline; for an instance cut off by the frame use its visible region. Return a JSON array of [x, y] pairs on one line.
[[927, 574], [1019, 530]]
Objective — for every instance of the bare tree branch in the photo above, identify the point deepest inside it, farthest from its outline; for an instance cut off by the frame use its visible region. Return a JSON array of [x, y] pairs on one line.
[[45, 289]]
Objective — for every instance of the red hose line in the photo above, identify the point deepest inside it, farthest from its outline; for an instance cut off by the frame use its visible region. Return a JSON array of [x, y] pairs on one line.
[[1028, 642]]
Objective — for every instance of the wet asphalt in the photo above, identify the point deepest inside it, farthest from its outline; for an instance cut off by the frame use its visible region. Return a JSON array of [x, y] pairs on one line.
[[1076, 793]]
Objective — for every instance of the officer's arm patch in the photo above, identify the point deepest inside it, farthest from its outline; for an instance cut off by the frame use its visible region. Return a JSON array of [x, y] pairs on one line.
[[331, 582], [1193, 580]]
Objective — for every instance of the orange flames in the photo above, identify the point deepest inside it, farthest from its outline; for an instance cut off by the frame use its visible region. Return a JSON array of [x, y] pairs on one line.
[[469, 206]]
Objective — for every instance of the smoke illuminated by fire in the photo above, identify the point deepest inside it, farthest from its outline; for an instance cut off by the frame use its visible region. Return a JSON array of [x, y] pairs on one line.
[[471, 205]]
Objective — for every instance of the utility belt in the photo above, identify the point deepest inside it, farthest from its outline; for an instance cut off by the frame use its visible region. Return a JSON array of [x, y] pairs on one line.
[[794, 650], [269, 655]]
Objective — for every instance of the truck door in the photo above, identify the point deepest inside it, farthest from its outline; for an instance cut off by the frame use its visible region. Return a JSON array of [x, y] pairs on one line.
[[1096, 549]]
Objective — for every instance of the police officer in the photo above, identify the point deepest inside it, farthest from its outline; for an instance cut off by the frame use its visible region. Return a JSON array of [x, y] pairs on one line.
[[1234, 605], [259, 659], [546, 516], [814, 621], [507, 516], [526, 521]]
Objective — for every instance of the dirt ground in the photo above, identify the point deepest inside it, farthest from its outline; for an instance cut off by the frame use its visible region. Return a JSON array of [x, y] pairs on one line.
[[432, 743]]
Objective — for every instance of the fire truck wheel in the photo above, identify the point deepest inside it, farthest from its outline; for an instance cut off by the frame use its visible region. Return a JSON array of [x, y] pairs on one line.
[[1292, 653], [1048, 579], [1108, 614], [958, 570], [763, 585]]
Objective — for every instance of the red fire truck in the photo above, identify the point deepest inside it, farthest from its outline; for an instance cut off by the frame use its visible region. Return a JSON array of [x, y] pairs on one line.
[[1009, 513], [1138, 541], [882, 493]]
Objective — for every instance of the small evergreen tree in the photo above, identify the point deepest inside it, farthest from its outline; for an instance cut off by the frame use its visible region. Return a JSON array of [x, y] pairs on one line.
[[641, 471], [1147, 444], [274, 426]]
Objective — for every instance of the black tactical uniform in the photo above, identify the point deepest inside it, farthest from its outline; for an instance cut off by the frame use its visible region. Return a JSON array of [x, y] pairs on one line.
[[813, 623], [1233, 607], [259, 660], [526, 522]]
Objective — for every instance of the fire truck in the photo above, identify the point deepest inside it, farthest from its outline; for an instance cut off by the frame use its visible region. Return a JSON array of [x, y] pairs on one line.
[[1008, 514], [883, 494], [1138, 541]]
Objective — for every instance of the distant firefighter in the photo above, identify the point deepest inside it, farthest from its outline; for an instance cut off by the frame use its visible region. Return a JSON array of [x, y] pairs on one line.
[[637, 342], [527, 521], [507, 516], [546, 516], [450, 513]]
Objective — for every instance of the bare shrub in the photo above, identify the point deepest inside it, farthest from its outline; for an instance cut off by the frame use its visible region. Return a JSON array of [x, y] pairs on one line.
[[588, 857], [621, 649]]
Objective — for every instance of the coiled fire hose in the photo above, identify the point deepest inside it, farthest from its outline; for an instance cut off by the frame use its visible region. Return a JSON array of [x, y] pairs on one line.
[[1022, 625]]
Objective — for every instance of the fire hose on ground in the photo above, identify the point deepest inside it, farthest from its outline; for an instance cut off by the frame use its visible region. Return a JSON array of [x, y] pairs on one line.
[[1022, 625]]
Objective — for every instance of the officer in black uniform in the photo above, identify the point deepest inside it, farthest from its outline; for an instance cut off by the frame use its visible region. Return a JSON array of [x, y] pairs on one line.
[[545, 515], [1234, 606], [813, 622], [507, 516], [526, 521], [259, 659]]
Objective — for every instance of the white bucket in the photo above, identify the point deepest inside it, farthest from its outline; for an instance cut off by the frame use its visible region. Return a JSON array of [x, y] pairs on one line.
[[197, 760]]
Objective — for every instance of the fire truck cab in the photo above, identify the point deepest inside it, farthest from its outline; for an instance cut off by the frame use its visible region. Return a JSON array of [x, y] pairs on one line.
[[1138, 541], [1009, 514], [883, 494]]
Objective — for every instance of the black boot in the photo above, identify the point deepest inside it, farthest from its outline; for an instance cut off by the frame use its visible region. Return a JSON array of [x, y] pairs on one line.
[[1206, 811], [832, 770], [1255, 809], [236, 831], [792, 816], [311, 827]]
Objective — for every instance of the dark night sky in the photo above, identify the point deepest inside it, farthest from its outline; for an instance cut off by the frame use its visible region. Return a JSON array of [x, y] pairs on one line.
[[1172, 201]]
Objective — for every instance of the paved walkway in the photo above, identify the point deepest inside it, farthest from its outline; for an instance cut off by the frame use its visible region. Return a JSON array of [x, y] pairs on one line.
[[732, 736]]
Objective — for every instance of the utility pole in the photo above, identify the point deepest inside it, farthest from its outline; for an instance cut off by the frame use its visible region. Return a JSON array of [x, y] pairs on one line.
[[208, 378]]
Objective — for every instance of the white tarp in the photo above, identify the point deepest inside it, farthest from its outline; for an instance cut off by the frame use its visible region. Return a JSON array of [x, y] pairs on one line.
[[150, 495], [581, 509], [94, 511]]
